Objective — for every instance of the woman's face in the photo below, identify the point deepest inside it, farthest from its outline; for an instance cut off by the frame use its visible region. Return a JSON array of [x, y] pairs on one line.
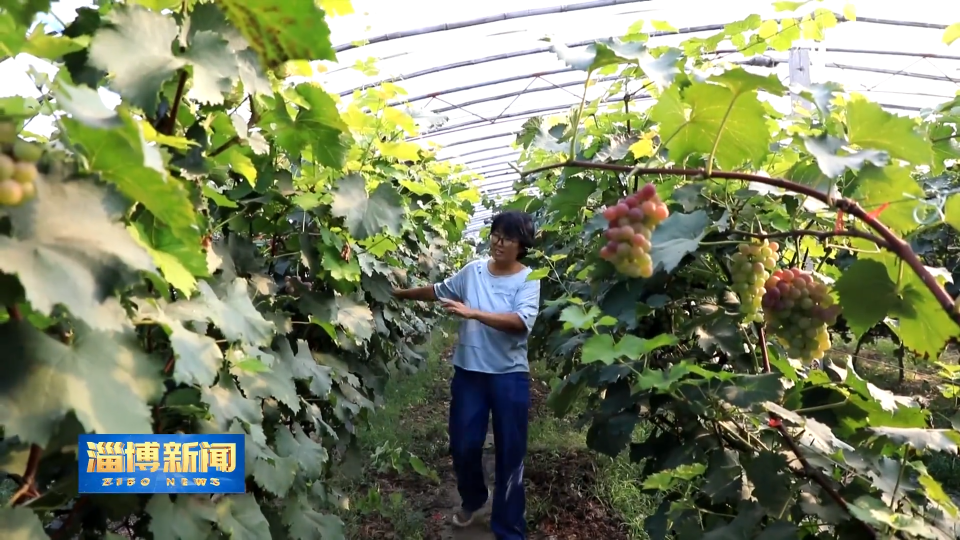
[[504, 249]]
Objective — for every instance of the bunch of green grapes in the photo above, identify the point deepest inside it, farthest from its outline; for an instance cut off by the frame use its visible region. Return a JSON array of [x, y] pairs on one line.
[[798, 310], [751, 268], [631, 224], [18, 166]]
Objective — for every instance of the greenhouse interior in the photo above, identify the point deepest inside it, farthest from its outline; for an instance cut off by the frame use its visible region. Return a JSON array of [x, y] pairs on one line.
[[444, 270], [475, 73]]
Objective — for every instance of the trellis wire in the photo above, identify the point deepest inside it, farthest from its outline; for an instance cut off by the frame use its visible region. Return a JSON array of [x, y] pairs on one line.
[[688, 30], [763, 61], [512, 15], [532, 112]]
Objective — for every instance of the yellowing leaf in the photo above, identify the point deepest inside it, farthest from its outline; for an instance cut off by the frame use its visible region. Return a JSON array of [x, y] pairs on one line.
[[239, 162], [402, 151], [850, 12], [642, 148], [336, 8], [151, 135], [951, 34], [426, 186], [768, 29], [663, 26], [398, 118], [298, 68]]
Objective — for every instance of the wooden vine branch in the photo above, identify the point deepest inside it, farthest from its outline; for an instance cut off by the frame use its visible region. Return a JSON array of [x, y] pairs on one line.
[[28, 489], [812, 472], [821, 235], [171, 121], [816, 474], [893, 243]]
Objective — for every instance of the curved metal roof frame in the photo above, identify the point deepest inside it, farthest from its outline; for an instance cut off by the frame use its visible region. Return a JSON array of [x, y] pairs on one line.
[[487, 97]]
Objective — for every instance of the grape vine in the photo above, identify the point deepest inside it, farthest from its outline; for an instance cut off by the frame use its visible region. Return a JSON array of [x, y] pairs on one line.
[[708, 351], [213, 255]]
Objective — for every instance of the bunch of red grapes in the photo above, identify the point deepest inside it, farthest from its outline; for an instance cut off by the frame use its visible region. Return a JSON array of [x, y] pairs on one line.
[[798, 310], [631, 224], [751, 269]]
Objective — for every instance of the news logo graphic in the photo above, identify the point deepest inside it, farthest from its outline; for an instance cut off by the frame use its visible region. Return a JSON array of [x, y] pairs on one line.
[[161, 463]]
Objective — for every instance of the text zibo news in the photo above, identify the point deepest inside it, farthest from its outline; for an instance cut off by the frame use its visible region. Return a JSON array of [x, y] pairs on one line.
[[161, 463]]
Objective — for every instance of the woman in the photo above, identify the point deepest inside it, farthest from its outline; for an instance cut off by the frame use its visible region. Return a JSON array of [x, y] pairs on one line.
[[498, 306]]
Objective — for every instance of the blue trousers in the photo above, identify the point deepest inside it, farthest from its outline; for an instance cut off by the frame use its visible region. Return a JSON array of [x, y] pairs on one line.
[[474, 396]]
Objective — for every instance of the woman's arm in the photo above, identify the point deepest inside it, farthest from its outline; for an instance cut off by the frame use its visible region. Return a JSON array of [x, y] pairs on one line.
[[423, 294], [505, 322]]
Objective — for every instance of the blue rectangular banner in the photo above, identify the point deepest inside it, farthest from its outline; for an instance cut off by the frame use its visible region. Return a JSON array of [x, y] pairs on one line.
[[161, 463]]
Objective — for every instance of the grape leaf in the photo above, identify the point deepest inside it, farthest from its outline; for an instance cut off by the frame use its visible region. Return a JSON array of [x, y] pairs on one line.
[[231, 310], [826, 150], [951, 211], [891, 185], [306, 523], [276, 382], [214, 65], [240, 517], [710, 118], [67, 248], [85, 106], [171, 254], [46, 379], [952, 33], [305, 367], [198, 357], [866, 294], [122, 157], [871, 127], [924, 440], [675, 237], [924, 326], [21, 524], [279, 32], [227, 403], [188, 518], [367, 216], [601, 347], [137, 48], [318, 125], [661, 70], [568, 199], [308, 453], [208, 17], [355, 317], [339, 269]]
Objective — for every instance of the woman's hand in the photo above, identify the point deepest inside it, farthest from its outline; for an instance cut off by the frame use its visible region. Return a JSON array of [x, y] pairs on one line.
[[457, 308]]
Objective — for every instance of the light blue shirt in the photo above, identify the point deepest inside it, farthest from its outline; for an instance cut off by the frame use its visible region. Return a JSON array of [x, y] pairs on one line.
[[480, 347]]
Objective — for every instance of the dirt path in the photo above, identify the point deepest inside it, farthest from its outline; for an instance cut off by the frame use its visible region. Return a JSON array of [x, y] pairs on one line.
[[480, 528], [560, 479]]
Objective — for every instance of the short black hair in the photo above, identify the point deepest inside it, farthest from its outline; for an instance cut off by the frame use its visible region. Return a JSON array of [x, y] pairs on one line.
[[515, 225]]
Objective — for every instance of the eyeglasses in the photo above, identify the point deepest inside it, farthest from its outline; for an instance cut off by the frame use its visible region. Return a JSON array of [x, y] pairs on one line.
[[497, 239]]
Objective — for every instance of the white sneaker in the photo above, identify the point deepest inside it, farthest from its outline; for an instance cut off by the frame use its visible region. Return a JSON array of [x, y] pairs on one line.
[[463, 518]]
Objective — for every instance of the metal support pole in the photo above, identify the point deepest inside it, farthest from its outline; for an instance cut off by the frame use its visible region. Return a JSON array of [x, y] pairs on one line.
[[799, 76]]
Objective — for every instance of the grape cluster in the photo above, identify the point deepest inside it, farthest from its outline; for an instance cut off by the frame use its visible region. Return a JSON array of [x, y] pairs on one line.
[[798, 310], [751, 268], [18, 166], [631, 224]]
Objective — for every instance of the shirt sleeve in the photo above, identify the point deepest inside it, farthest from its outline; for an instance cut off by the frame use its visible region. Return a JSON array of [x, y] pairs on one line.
[[528, 303], [454, 287]]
